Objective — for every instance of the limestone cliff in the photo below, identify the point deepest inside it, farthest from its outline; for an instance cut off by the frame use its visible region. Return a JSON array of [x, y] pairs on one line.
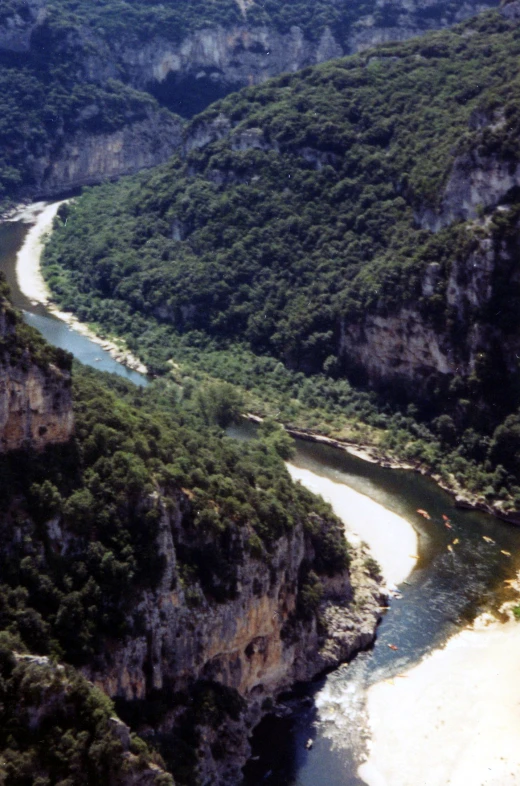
[[185, 66], [85, 158], [256, 644], [215, 61], [35, 397], [37, 696]]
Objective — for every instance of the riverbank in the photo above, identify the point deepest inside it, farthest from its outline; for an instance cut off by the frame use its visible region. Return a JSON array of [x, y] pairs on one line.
[[391, 539], [453, 719], [33, 286], [463, 498]]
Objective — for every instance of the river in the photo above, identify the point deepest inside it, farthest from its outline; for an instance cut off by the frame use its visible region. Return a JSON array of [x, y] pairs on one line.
[[12, 237], [368, 708]]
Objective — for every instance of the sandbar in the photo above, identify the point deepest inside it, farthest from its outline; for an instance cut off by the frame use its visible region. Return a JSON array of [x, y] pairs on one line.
[[392, 539], [454, 720], [33, 286]]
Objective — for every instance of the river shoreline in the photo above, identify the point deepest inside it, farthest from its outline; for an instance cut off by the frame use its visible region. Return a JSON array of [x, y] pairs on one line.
[[461, 701], [391, 539], [463, 499], [40, 216], [33, 286]]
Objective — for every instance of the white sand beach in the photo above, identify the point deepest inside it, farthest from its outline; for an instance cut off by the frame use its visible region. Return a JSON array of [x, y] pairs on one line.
[[453, 720], [28, 273], [33, 286], [392, 540]]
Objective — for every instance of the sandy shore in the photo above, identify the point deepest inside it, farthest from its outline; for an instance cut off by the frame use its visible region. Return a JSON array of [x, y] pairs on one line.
[[392, 540], [33, 286], [374, 455], [455, 718]]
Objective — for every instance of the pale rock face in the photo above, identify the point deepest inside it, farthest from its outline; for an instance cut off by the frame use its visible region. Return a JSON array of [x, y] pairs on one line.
[[397, 347], [241, 643], [236, 56], [84, 159], [475, 183], [403, 348], [35, 404]]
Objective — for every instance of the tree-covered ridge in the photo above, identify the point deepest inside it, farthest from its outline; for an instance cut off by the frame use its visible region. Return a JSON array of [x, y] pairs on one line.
[[135, 454], [312, 221], [270, 243], [55, 727], [61, 69], [179, 19], [43, 99], [303, 216]]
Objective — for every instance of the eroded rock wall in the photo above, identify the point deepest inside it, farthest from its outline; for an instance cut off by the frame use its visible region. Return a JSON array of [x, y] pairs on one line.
[[35, 400], [87, 158], [256, 643]]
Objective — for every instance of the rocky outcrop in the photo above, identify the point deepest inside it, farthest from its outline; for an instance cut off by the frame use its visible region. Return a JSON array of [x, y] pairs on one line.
[[184, 74], [85, 158], [216, 60], [229, 58], [476, 183], [48, 691], [256, 644], [397, 348], [35, 398], [405, 349]]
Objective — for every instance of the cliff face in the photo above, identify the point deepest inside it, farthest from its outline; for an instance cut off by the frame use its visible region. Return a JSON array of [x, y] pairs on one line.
[[256, 644], [35, 399], [215, 60], [185, 71], [224, 59], [84, 158], [37, 695]]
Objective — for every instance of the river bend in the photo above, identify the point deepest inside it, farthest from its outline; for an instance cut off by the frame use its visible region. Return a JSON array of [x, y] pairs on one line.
[[367, 709]]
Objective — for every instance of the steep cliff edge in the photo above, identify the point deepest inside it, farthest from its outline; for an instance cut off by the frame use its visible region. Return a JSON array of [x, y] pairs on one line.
[[179, 53], [279, 629], [183, 573], [358, 219], [74, 69], [35, 387], [92, 746]]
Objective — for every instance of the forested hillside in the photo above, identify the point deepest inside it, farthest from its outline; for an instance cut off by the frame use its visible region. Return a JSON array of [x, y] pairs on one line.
[[76, 77], [356, 219], [112, 538]]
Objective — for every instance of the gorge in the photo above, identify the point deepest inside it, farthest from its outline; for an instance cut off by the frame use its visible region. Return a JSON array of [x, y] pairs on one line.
[[86, 75], [176, 567], [451, 589]]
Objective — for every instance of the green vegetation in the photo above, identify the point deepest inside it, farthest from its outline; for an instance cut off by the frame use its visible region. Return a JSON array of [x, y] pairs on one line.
[[147, 18], [136, 454], [71, 79], [55, 727], [21, 344], [233, 258]]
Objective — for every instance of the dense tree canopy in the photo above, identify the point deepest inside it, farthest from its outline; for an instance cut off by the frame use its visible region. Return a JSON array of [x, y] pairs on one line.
[[302, 217]]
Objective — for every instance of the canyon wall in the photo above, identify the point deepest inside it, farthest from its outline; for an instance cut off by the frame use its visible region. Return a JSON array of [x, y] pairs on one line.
[[35, 397], [84, 158], [256, 644], [226, 59]]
